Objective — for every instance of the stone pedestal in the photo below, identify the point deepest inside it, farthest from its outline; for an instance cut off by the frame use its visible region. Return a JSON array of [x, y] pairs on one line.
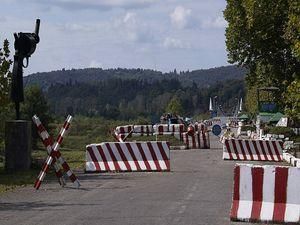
[[17, 145]]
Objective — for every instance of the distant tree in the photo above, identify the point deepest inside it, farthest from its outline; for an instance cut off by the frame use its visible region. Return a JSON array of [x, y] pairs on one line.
[[174, 106], [35, 103], [256, 38], [5, 74], [292, 98]]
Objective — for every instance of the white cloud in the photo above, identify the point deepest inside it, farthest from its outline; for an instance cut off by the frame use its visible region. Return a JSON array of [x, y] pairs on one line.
[[97, 4], [180, 17], [217, 22], [175, 43], [76, 27], [95, 64]]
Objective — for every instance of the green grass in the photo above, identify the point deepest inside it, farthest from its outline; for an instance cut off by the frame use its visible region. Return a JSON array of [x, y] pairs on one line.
[[83, 131], [11, 180]]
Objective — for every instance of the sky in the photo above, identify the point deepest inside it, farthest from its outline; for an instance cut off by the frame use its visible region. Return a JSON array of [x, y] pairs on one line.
[[152, 34]]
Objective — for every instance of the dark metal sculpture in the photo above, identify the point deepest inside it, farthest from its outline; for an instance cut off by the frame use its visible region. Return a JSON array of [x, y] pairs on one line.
[[25, 45]]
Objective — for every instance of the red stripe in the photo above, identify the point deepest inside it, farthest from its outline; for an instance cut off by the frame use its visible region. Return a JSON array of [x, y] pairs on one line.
[[40, 128], [160, 130], [133, 156], [154, 157], [65, 166], [249, 149], [235, 149], [143, 156], [228, 149], [124, 159], [193, 141], [37, 184], [122, 130], [270, 151], [48, 142], [279, 156], [236, 194], [164, 155], [73, 177], [60, 139], [101, 152], [198, 139], [204, 137], [256, 150], [281, 178], [242, 149], [113, 157], [262, 148], [257, 192], [186, 140], [95, 161]]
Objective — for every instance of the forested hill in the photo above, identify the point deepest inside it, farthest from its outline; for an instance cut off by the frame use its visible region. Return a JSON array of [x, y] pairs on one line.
[[202, 78]]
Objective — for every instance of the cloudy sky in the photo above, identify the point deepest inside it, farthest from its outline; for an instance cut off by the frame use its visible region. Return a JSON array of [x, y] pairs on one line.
[[155, 34]]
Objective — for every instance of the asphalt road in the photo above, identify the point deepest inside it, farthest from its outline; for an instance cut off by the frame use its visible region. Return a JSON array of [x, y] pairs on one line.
[[197, 191]]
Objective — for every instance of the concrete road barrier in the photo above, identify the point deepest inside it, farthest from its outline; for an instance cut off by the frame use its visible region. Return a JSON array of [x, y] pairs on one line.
[[266, 193], [257, 150], [128, 156]]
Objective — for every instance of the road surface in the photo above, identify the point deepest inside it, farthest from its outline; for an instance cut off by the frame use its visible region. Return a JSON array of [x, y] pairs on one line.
[[197, 191]]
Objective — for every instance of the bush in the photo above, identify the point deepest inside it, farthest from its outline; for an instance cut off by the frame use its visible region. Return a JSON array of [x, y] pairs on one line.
[[286, 131], [246, 128]]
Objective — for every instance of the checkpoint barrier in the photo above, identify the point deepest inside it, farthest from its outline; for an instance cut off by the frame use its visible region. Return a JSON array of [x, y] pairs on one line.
[[54, 158], [254, 150], [175, 130], [291, 159], [128, 157], [266, 194], [199, 140]]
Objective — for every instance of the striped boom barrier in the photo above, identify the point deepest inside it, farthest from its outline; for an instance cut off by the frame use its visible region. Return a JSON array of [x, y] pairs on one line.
[[200, 140], [124, 129], [48, 142], [266, 194], [128, 156], [291, 159], [254, 150], [55, 155]]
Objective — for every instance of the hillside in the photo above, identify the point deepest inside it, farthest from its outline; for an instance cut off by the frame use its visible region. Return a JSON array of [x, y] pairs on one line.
[[202, 78]]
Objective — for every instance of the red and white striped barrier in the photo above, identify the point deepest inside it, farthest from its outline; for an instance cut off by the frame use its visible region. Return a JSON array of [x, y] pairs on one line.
[[291, 159], [53, 151], [124, 129], [128, 156], [199, 140], [266, 193], [257, 150], [142, 130]]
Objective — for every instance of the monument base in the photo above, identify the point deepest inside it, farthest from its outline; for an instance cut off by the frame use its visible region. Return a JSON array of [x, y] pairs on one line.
[[17, 145]]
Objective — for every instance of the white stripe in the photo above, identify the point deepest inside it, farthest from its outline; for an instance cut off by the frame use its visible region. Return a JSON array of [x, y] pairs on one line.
[[128, 157], [159, 157], [118, 157], [44, 135], [252, 150], [279, 148], [292, 211], [273, 151], [98, 157], [234, 156], [69, 173], [260, 150], [138, 156], [267, 151], [148, 156], [108, 157], [267, 207], [246, 150], [239, 150], [166, 149], [245, 202]]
